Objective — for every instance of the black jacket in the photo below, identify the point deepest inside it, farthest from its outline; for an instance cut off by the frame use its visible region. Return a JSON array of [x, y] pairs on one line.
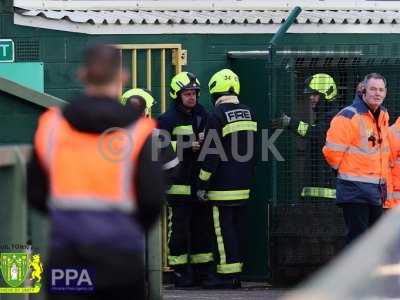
[[318, 172], [183, 126], [226, 176]]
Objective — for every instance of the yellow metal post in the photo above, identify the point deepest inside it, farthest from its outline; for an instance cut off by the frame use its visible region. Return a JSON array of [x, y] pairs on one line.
[[162, 81], [148, 69], [120, 83], [134, 68]]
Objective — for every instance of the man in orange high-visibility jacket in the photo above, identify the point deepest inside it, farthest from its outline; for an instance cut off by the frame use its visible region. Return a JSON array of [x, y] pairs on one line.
[[357, 146], [92, 172], [393, 197]]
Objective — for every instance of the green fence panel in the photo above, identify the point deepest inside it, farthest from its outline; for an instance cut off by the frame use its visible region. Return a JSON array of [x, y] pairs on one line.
[[13, 212], [252, 84]]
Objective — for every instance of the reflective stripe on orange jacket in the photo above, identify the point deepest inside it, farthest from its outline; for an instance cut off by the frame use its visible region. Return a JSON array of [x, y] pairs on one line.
[[393, 198], [83, 172], [358, 148]]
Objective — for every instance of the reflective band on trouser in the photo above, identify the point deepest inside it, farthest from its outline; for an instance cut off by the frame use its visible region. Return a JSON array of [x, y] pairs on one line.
[[366, 179], [230, 268], [302, 128], [222, 266], [178, 260], [179, 190], [201, 258], [229, 195], [169, 234], [173, 144], [204, 175], [218, 234], [318, 192], [239, 126], [183, 130]]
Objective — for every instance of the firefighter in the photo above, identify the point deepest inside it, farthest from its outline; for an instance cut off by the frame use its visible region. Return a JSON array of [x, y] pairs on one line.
[[100, 199], [190, 248], [321, 91], [393, 195], [142, 101], [225, 178], [357, 147]]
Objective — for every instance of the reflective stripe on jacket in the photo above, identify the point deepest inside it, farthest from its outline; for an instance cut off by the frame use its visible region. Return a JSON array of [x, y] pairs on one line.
[[89, 171], [357, 147], [393, 197], [183, 127], [225, 175]]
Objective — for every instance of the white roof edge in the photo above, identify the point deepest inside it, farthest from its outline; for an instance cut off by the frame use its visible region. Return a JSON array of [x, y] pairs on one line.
[[206, 5], [64, 25]]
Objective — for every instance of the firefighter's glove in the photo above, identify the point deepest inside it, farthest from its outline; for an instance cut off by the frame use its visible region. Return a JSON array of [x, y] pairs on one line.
[[281, 123], [202, 195]]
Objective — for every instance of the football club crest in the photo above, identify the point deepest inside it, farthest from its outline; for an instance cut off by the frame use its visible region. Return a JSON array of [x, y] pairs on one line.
[[15, 268]]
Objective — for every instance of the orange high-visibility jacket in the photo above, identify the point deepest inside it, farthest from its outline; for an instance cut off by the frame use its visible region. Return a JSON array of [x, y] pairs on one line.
[[393, 197], [90, 171], [358, 148]]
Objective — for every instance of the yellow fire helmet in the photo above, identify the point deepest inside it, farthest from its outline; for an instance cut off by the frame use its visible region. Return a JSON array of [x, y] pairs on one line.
[[183, 81], [322, 84], [224, 82], [139, 93]]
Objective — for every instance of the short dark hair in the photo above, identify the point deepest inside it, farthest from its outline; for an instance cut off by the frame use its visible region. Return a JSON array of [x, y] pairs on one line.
[[138, 103], [102, 64], [374, 76]]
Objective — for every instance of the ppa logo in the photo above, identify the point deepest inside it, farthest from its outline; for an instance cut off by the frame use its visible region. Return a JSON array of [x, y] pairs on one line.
[[71, 280]]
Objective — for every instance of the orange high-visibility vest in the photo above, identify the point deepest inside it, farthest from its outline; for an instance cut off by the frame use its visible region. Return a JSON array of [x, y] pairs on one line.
[[356, 148], [393, 198], [87, 170]]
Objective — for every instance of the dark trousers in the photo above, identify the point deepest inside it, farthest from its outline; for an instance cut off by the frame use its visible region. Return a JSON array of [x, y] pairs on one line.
[[189, 234], [121, 293], [359, 217], [226, 221], [118, 274]]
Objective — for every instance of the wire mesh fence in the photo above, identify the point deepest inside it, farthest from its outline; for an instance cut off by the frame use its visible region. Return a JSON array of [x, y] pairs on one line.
[[307, 229]]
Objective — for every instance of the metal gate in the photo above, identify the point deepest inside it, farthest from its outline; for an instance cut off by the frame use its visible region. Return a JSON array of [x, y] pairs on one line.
[[178, 58]]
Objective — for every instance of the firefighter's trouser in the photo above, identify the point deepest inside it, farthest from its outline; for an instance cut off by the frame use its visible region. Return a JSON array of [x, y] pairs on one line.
[[226, 223], [189, 234]]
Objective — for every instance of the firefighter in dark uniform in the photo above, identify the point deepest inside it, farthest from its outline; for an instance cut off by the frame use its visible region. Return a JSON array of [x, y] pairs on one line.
[[321, 90], [142, 102], [190, 247], [225, 177]]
